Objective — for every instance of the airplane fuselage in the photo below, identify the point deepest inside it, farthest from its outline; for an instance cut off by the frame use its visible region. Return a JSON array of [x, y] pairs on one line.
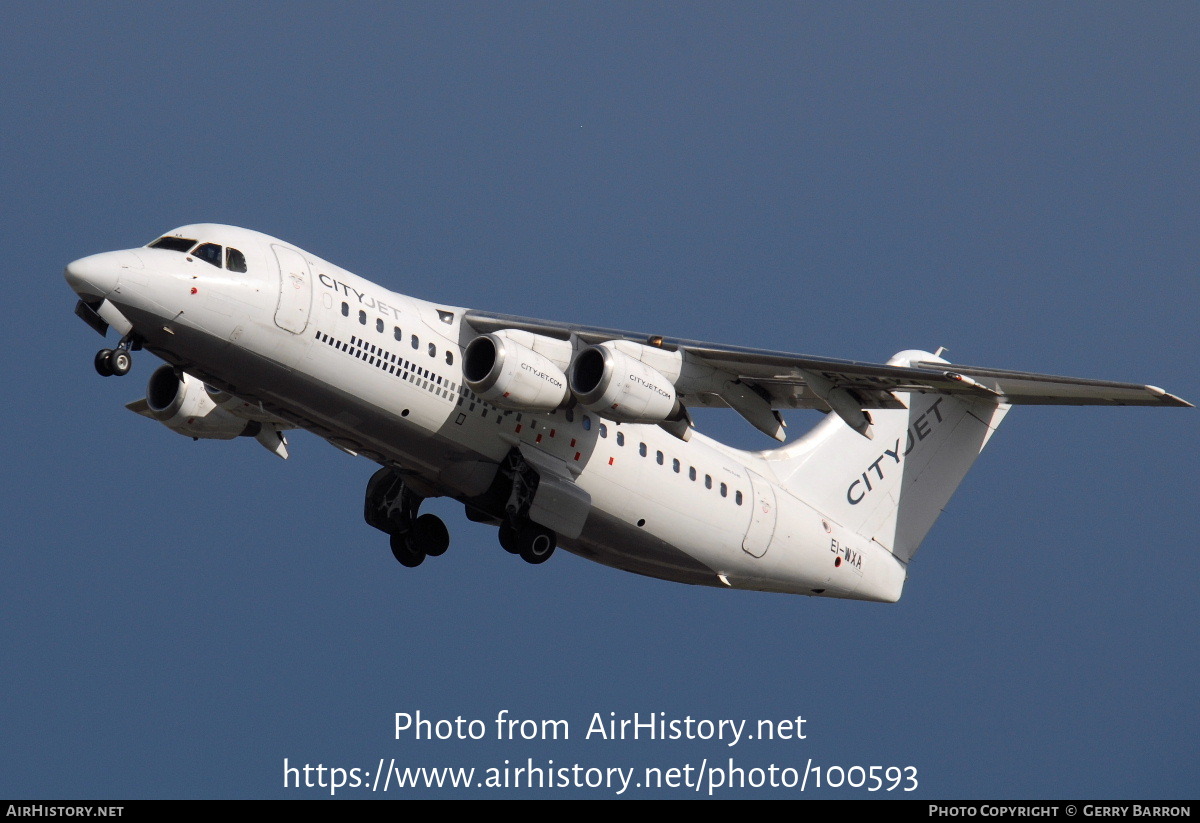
[[380, 374]]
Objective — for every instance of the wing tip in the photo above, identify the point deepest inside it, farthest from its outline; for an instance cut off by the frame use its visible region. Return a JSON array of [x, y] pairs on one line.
[[1168, 398]]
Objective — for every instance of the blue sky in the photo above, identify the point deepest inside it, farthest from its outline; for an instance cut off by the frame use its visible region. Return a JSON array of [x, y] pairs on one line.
[[1016, 182]]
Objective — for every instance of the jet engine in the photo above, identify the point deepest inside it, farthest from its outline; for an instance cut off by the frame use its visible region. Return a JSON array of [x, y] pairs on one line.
[[513, 376], [180, 403], [618, 386]]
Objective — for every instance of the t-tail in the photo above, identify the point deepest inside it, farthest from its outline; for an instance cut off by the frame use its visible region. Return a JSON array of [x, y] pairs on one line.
[[891, 488]]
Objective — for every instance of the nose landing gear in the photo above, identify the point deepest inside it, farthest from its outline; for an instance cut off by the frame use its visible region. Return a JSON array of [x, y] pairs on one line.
[[116, 362]]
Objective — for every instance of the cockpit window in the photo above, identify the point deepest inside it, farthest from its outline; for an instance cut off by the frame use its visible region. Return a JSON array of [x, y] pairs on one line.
[[209, 253], [173, 243], [235, 260]]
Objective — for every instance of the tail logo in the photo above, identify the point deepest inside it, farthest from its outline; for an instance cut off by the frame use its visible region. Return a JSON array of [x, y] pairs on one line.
[[920, 429]]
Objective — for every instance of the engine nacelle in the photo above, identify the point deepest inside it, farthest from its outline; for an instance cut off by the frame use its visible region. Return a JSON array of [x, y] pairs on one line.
[[622, 388], [512, 376], [181, 404]]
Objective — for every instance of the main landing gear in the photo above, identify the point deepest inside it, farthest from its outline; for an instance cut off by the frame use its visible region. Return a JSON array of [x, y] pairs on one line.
[[391, 507], [533, 541], [518, 534], [116, 362]]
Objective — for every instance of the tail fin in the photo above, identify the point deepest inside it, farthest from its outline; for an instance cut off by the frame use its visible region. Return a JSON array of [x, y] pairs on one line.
[[890, 489]]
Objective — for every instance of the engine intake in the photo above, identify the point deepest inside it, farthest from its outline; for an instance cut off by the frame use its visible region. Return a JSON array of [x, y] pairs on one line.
[[622, 388], [513, 376], [180, 403]]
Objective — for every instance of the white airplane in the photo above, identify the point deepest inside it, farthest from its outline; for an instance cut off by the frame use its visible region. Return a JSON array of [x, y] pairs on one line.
[[560, 434]]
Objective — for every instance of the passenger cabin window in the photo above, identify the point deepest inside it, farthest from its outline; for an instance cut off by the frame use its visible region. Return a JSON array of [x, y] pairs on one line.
[[379, 324], [235, 260], [210, 253], [345, 309], [396, 333], [173, 243], [449, 358], [362, 317]]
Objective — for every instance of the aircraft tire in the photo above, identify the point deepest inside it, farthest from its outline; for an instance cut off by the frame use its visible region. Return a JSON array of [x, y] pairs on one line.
[[508, 538], [103, 363], [119, 362], [405, 552], [430, 534], [395, 522], [535, 543]]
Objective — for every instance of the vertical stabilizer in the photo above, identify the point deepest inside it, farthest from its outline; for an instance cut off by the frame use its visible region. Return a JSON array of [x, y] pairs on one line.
[[890, 489]]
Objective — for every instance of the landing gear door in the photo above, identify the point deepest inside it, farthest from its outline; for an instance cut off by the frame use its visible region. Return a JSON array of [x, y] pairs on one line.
[[762, 517], [295, 290], [558, 504]]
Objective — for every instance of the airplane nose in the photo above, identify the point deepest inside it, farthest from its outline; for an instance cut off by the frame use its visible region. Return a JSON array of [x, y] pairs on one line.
[[94, 276]]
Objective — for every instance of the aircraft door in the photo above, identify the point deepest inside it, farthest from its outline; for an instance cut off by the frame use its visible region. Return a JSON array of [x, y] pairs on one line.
[[762, 516], [295, 290]]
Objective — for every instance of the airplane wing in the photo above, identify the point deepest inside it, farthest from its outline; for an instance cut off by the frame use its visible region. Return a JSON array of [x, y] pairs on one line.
[[757, 382]]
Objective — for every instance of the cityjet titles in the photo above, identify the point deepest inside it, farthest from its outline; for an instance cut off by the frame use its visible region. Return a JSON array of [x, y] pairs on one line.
[[549, 378], [921, 428], [641, 381], [364, 299]]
